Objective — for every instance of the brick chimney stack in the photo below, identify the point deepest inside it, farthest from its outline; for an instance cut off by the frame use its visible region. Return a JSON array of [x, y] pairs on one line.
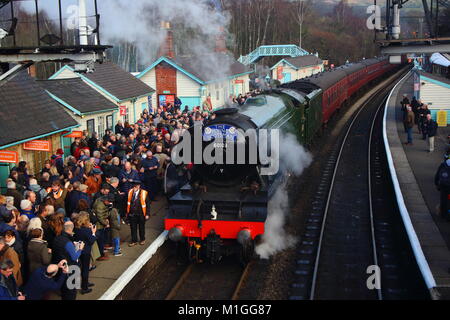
[[220, 41], [166, 48], [32, 70]]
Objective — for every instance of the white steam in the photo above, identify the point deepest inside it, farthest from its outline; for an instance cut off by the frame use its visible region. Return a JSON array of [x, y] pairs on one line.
[[138, 21], [293, 159]]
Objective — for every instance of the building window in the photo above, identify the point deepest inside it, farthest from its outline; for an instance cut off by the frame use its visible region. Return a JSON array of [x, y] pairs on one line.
[[90, 124], [109, 122], [217, 95], [126, 116], [101, 126]]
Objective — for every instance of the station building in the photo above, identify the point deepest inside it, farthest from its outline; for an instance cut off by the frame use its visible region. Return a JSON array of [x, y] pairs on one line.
[[433, 90], [212, 77], [32, 125], [290, 69], [92, 111], [193, 85], [129, 94]]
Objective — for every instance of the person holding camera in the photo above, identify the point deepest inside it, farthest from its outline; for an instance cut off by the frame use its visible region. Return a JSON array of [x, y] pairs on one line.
[[85, 232], [64, 248], [45, 279], [103, 209]]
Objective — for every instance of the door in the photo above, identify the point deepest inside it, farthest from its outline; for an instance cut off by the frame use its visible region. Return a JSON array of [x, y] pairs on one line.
[[286, 77], [67, 142], [90, 124], [101, 126], [190, 101], [109, 122], [4, 174]]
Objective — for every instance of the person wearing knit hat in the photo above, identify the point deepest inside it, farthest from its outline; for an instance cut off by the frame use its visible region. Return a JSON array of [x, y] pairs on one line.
[[26, 208]]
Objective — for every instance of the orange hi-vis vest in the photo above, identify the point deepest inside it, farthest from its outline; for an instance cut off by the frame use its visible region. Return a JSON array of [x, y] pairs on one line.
[[57, 195], [143, 203]]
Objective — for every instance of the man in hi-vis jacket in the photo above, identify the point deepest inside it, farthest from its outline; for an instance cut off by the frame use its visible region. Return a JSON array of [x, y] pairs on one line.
[[138, 211]]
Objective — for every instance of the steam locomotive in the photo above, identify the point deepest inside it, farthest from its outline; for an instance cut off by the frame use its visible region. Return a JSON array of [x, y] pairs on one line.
[[223, 207]]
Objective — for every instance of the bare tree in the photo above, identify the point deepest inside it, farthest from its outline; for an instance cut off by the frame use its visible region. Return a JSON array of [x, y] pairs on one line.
[[301, 9]]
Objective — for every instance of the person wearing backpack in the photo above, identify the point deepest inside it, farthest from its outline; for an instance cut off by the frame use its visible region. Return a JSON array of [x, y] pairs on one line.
[[40, 192], [442, 182]]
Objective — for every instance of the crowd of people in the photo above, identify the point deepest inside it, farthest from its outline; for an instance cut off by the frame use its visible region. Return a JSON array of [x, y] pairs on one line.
[[70, 213], [417, 113]]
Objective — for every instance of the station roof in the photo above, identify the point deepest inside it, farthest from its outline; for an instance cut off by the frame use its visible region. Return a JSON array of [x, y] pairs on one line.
[[113, 81], [208, 68], [27, 112], [442, 59], [301, 62], [327, 79], [75, 94], [435, 79]]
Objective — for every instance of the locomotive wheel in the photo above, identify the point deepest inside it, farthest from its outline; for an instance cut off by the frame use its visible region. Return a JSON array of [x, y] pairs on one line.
[[246, 252]]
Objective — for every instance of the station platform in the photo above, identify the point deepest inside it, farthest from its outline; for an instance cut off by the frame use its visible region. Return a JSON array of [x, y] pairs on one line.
[[111, 276], [412, 169]]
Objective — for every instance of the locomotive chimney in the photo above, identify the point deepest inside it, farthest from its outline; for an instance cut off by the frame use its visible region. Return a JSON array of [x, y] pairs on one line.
[[166, 48], [220, 41]]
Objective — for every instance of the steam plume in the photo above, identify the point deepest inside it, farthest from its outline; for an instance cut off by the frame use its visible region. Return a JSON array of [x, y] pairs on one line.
[[294, 159]]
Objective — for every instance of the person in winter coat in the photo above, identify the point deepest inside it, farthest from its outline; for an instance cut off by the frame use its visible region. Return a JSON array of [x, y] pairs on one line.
[[126, 177], [38, 254], [442, 182], [46, 279], [119, 128], [40, 192], [429, 128], [13, 192], [85, 231], [94, 181], [58, 194], [16, 243], [8, 285], [102, 207], [7, 253], [26, 208], [65, 249], [409, 124]]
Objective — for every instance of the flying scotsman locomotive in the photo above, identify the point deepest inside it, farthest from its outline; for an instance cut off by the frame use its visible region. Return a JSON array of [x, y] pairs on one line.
[[224, 206]]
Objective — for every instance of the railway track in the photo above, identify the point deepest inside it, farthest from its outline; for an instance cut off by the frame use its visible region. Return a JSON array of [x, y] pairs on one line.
[[354, 227], [210, 282]]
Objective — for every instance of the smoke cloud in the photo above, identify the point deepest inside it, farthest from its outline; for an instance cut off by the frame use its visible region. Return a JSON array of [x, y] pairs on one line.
[[293, 159], [138, 21]]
